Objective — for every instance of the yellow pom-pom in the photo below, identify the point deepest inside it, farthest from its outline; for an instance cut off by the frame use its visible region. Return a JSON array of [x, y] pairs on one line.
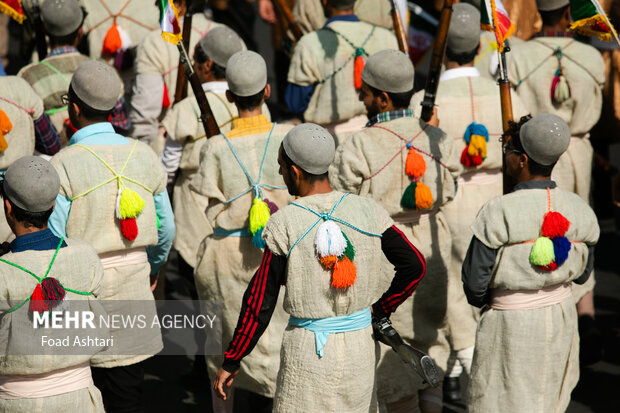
[[423, 196], [542, 253], [259, 215], [130, 204], [477, 146]]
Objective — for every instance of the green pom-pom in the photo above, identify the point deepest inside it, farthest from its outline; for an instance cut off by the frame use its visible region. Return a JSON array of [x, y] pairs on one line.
[[130, 204], [542, 252], [259, 215], [408, 199], [349, 251]]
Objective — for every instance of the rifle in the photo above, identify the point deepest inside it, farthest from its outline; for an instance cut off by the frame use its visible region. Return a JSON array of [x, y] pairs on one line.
[[439, 48], [282, 9], [399, 30], [206, 115], [180, 92], [39, 31], [506, 102], [422, 363]]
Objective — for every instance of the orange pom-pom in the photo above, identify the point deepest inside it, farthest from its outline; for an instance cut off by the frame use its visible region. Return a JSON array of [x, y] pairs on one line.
[[5, 127], [112, 41], [415, 165], [344, 274], [554, 225], [129, 228], [358, 68], [423, 196], [328, 261]]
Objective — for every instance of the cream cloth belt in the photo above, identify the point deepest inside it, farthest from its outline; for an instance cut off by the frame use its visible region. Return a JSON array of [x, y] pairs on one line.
[[481, 177], [530, 299], [414, 217], [47, 384], [131, 256]]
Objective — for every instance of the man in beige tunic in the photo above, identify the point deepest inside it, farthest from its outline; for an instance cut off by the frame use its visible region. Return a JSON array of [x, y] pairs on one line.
[[238, 174], [410, 168], [102, 172], [310, 15], [157, 64], [528, 248], [578, 70], [467, 105], [325, 70], [31, 380], [326, 248]]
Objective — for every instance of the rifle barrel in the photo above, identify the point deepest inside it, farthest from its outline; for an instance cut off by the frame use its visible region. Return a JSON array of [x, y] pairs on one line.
[[180, 92], [399, 29]]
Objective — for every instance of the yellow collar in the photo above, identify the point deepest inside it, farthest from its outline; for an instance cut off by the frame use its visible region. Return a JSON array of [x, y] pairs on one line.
[[249, 126]]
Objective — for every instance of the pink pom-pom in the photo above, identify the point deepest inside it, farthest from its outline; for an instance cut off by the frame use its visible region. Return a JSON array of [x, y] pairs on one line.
[[554, 225]]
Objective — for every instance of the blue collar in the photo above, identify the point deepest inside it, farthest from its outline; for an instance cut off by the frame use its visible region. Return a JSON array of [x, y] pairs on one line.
[[102, 129], [36, 241], [343, 18], [534, 185], [63, 50]]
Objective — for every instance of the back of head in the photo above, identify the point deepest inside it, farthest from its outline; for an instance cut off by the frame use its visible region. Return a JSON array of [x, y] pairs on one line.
[[246, 74], [311, 147], [341, 4], [545, 138], [463, 34], [96, 85], [62, 19], [551, 11], [220, 44]]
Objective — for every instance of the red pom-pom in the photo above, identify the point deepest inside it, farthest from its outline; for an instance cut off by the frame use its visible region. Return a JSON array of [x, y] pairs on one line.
[[358, 68], [129, 228], [37, 300], [468, 161], [554, 225], [550, 267]]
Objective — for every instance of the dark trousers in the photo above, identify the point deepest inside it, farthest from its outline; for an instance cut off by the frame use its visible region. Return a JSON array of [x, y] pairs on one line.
[[121, 388]]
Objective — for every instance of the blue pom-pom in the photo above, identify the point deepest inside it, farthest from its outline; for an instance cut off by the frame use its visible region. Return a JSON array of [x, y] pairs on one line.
[[475, 129], [257, 239], [561, 247]]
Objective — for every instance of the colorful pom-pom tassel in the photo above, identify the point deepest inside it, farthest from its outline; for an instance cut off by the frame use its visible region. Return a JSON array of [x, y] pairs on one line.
[[165, 102], [415, 166], [560, 89], [344, 274], [257, 239], [423, 196], [37, 300], [329, 240], [477, 146], [477, 129], [273, 208], [5, 127], [129, 204], [358, 68], [259, 215], [470, 161], [476, 137], [561, 247], [129, 228], [554, 225], [542, 252], [328, 261], [53, 291], [408, 199], [349, 251], [112, 41]]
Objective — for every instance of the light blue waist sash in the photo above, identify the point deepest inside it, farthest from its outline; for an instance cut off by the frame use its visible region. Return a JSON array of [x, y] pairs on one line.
[[241, 232], [322, 327]]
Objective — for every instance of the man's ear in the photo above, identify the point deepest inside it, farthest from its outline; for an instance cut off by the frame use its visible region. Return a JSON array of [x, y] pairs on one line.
[[267, 92], [7, 207], [208, 65], [383, 100], [229, 96], [76, 109], [296, 173]]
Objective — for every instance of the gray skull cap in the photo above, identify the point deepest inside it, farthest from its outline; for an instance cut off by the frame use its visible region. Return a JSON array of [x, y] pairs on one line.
[[32, 184], [220, 44], [389, 71], [548, 5], [246, 73], [544, 138], [464, 31], [61, 17], [311, 147], [97, 85]]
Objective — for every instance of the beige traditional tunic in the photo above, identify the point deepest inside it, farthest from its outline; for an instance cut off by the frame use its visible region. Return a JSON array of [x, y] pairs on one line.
[[325, 59], [22, 106], [527, 360], [93, 219], [362, 166], [77, 267], [344, 378], [462, 98], [50, 80], [310, 15], [225, 264]]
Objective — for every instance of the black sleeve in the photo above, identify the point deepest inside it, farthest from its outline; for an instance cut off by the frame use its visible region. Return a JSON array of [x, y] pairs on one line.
[[589, 267], [410, 267], [259, 301], [476, 272]]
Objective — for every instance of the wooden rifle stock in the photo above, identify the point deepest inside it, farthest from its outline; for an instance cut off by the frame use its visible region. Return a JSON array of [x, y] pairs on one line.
[[399, 29], [507, 117], [439, 48], [206, 115], [180, 92], [284, 11]]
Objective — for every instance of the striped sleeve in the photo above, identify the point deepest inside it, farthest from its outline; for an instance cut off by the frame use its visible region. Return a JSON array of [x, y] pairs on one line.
[[410, 266], [259, 302]]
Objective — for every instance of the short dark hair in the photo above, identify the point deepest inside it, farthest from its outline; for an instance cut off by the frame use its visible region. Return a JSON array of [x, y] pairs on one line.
[[311, 178], [27, 218], [249, 102], [462, 58], [87, 111], [399, 100], [533, 167], [200, 56], [552, 17], [341, 4]]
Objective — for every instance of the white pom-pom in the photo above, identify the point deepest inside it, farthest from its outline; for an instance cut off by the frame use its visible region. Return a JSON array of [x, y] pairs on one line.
[[329, 240]]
